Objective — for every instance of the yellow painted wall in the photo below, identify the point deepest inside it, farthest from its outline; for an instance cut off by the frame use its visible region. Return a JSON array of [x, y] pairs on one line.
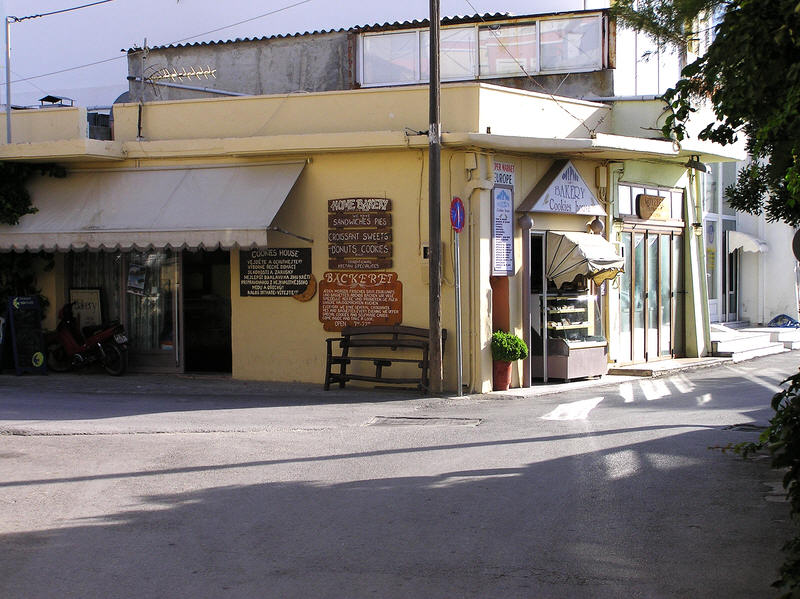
[[277, 338], [48, 124]]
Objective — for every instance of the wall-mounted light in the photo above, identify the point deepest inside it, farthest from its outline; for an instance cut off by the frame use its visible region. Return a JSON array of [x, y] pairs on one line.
[[596, 226], [694, 162], [617, 225], [697, 228]]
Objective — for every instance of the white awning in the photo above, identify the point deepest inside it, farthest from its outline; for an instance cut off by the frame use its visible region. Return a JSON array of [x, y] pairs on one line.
[[571, 254], [205, 207], [747, 243]]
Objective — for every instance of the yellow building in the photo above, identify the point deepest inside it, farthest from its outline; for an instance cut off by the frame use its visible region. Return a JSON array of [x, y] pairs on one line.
[[163, 218]]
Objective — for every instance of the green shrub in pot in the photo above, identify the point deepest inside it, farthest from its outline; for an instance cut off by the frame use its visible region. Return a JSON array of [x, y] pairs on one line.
[[507, 347]]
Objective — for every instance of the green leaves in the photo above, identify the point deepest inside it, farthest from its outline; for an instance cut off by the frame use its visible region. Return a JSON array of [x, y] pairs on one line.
[[15, 201], [507, 347], [751, 78]]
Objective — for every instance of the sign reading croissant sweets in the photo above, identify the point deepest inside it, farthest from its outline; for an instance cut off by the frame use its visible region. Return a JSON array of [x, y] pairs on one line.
[[360, 233], [356, 299]]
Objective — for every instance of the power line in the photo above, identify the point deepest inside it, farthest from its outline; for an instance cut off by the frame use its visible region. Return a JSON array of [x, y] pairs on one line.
[[530, 77], [57, 12], [266, 14], [91, 64]]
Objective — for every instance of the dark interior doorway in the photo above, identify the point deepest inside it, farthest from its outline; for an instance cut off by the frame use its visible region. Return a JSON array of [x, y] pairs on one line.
[[207, 311]]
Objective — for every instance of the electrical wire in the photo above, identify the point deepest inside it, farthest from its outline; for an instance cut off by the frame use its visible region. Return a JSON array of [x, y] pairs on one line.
[[532, 80], [91, 64], [56, 12]]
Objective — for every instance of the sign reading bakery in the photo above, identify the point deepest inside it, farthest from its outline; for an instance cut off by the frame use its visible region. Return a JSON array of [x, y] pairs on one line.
[[562, 190], [360, 233], [357, 299]]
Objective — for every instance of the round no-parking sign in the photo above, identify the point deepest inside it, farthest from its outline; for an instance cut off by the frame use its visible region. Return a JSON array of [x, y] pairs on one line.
[[457, 214]]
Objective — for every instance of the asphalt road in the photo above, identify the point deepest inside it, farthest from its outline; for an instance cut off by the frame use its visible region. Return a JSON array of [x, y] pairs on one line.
[[149, 486]]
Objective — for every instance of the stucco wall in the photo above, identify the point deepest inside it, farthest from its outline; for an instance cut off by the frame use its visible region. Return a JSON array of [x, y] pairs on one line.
[[268, 66], [282, 339]]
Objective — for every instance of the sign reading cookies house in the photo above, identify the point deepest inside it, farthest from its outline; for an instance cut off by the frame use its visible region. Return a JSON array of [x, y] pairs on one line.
[[356, 299], [360, 233], [274, 272]]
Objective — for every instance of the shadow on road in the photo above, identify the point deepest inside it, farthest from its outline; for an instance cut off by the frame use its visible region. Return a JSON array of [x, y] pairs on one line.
[[663, 518]]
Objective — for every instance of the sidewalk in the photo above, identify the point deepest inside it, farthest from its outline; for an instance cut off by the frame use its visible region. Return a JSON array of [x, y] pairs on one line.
[[210, 385]]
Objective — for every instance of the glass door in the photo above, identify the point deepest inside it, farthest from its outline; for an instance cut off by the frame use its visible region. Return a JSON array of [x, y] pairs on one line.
[[651, 300], [152, 303]]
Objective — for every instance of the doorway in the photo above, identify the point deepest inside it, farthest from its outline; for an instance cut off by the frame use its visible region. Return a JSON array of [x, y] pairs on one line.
[[207, 311], [652, 295]]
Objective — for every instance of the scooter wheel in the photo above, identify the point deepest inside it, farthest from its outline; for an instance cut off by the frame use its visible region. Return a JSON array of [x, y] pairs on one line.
[[57, 358], [116, 360]]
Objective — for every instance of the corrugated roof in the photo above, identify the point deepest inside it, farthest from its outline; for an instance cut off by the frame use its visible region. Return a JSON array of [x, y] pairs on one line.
[[415, 24]]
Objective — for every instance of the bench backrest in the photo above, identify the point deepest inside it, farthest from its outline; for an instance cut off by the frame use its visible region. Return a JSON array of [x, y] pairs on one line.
[[394, 330]]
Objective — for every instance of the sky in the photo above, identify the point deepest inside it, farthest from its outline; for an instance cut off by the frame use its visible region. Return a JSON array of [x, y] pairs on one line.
[[103, 32]]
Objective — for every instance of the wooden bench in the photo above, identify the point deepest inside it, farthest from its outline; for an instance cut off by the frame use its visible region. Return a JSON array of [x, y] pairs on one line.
[[379, 341]]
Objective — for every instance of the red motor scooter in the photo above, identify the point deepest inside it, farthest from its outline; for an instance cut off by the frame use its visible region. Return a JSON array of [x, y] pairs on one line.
[[69, 347]]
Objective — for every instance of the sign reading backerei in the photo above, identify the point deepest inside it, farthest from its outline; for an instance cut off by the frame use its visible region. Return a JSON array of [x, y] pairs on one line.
[[359, 299], [274, 272], [360, 233]]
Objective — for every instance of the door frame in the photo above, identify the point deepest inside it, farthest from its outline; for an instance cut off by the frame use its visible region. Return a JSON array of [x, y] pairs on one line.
[[648, 229]]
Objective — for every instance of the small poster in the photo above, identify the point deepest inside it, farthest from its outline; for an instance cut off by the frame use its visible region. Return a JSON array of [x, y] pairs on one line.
[[502, 231], [86, 306], [136, 277]]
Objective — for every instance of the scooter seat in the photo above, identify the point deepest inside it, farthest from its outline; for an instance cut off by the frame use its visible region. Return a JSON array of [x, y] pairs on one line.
[[91, 330]]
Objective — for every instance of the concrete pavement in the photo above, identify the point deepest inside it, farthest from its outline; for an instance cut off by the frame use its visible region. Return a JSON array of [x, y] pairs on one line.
[[150, 486]]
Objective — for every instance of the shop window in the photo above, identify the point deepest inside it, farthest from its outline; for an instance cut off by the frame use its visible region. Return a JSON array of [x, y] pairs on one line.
[[625, 200], [508, 51], [729, 173], [571, 44], [98, 270], [391, 58], [457, 53], [466, 52]]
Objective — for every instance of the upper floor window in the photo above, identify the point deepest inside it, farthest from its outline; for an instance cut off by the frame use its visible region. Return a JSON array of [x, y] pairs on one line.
[[484, 51], [630, 196]]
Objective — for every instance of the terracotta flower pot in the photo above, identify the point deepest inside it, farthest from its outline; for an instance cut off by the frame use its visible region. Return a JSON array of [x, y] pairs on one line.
[[501, 375]]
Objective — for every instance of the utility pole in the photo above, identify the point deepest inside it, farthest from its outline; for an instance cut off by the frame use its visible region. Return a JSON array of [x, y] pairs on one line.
[[8, 20], [434, 209]]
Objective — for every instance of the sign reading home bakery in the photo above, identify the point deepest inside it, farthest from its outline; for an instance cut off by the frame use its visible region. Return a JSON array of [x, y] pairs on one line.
[[360, 233], [355, 299]]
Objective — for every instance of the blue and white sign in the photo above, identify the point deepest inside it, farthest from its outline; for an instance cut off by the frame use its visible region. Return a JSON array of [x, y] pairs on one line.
[[502, 231]]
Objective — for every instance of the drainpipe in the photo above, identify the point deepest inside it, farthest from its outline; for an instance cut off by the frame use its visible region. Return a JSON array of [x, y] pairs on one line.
[[475, 182], [700, 296], [526, 224]]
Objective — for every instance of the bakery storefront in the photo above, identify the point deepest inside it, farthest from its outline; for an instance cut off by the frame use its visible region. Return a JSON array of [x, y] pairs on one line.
[[569, 266]]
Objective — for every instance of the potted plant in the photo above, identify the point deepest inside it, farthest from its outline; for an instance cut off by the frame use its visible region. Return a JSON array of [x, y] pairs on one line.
[[506, 348]]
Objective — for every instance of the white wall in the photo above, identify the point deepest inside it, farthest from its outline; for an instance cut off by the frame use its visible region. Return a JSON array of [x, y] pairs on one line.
[[768, 283]]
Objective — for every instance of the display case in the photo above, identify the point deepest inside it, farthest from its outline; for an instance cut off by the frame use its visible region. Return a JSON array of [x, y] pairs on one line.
[[576, 345]]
